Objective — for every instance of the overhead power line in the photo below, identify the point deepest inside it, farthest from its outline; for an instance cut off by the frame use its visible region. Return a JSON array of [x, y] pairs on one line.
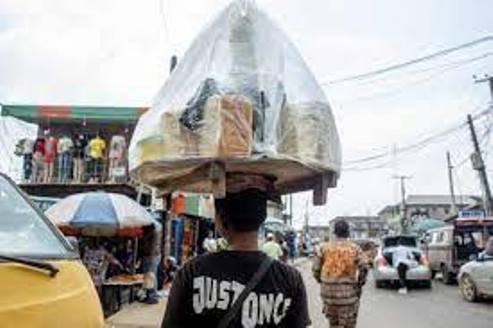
[[424, 142], [405, 64], [405, 87]]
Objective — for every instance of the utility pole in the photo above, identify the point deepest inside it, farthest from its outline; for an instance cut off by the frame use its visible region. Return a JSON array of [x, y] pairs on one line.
[[451, 184], [307, 217], [477, 158], [404, 220], [478, 165], [291, 210]]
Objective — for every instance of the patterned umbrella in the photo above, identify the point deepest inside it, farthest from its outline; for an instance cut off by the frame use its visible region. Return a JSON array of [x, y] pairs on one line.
[[99, 214]]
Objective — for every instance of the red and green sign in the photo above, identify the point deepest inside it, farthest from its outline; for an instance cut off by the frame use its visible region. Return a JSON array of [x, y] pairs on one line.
[[53, 114]]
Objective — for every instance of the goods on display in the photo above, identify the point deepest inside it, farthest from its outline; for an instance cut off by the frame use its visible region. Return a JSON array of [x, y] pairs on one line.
[[242, 95]]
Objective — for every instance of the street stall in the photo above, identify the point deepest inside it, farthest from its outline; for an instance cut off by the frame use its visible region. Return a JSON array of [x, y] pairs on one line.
[[191, 221], [109, 229]]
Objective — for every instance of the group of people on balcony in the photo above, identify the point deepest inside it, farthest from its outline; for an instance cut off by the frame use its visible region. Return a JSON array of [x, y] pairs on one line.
[[79, 158]]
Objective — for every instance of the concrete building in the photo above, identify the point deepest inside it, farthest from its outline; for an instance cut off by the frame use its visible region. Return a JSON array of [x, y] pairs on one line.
[[428, 206], [322, 232], [364, 227]]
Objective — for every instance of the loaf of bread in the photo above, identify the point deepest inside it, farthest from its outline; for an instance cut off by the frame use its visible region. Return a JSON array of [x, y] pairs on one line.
[[226, 131], [304, 133]]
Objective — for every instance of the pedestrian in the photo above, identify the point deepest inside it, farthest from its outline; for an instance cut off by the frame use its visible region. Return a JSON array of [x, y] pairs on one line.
[[271, 247], [241, 286], [170, 268], [151, 253], [210, 244], [285, 249], [340, 268], [97, 259], [403, 259]]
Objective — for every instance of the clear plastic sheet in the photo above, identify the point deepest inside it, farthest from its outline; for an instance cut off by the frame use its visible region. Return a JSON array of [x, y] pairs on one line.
[[241, 91]]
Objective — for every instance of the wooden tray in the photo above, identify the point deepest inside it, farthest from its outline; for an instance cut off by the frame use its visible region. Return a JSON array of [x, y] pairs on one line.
[[208, 176]]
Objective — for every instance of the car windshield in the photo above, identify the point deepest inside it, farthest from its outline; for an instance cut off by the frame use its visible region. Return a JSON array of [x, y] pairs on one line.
[[400, 241], [23, 232]]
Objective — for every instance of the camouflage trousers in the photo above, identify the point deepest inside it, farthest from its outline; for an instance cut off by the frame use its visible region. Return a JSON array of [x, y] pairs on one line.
[[341, 303]]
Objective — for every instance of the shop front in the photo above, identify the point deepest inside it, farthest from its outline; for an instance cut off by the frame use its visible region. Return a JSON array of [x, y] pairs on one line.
[[191, 220]]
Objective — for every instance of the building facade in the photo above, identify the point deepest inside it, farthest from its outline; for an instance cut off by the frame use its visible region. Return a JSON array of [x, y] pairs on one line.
[[321, 232], [363, 227], [428, 206]]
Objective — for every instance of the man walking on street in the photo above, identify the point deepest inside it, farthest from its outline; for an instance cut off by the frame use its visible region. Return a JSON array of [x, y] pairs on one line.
[[271, 247], [241, 286], [340, 268]]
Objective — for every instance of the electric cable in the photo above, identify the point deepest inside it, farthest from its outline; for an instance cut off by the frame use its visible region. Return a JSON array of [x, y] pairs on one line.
[[415, 61]]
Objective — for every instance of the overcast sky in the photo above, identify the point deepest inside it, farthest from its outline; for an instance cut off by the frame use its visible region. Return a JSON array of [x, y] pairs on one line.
[[115, 52]]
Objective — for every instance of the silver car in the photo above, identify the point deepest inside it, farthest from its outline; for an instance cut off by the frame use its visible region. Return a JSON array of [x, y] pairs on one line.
[[385, 273], [476, 278]]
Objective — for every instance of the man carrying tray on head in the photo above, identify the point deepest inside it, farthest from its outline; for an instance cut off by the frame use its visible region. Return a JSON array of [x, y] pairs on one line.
[[240, 287]]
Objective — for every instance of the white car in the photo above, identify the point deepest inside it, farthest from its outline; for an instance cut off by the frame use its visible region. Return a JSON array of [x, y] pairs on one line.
[[476, 278], [385, 273]]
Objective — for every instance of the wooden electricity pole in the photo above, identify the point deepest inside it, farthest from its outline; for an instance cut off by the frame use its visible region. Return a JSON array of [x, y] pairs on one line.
[[477, 158], [451, 184], [404, 219]]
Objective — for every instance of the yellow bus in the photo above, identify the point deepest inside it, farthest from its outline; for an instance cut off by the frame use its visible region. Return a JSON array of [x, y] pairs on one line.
[[42, 280]]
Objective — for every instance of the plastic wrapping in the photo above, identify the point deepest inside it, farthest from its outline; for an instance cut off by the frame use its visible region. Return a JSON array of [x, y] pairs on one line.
[[241, 93]]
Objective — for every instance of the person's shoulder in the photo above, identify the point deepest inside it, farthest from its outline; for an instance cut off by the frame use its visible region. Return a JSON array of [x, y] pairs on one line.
[[288, 271], [201, 260]]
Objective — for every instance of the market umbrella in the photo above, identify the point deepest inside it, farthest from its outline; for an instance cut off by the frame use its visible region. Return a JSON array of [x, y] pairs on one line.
[[424, 225], [99, 214]]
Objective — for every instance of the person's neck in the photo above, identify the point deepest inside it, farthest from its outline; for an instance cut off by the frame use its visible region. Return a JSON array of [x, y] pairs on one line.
[[243, 241]]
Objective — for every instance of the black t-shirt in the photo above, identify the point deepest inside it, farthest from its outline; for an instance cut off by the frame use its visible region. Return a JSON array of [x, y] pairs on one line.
[[205, 288]]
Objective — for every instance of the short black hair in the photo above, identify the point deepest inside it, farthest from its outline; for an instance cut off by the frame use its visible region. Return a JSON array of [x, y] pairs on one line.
[[243, 211], [341, 229]]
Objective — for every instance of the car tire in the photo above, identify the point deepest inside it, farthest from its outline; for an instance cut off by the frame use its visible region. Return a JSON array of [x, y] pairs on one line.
[[468, 289], [427, 284], [446, 275]]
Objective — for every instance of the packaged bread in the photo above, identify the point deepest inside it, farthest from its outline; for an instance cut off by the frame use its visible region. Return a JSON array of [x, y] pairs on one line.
[[226, 131], [241, 94], [306, 134]]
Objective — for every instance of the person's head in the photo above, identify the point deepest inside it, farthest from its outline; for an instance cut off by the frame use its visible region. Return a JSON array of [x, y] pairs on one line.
[[241, 212], [280, 238], [270, 237], [341, 229]]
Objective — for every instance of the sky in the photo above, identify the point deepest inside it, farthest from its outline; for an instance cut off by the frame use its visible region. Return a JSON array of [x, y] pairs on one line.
[[116, 52]]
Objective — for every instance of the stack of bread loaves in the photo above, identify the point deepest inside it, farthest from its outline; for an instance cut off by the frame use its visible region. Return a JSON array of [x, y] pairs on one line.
[[241, 95]]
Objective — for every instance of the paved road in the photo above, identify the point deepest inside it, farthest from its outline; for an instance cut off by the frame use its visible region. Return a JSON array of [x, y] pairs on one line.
[[440, 307]]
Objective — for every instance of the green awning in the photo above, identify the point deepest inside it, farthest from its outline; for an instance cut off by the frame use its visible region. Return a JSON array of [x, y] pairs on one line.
[[53, 114]]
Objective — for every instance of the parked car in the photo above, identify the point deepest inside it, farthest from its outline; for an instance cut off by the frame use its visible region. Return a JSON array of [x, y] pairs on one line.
[[450, 247], [43, 282], [384, 271], [476, 277]]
